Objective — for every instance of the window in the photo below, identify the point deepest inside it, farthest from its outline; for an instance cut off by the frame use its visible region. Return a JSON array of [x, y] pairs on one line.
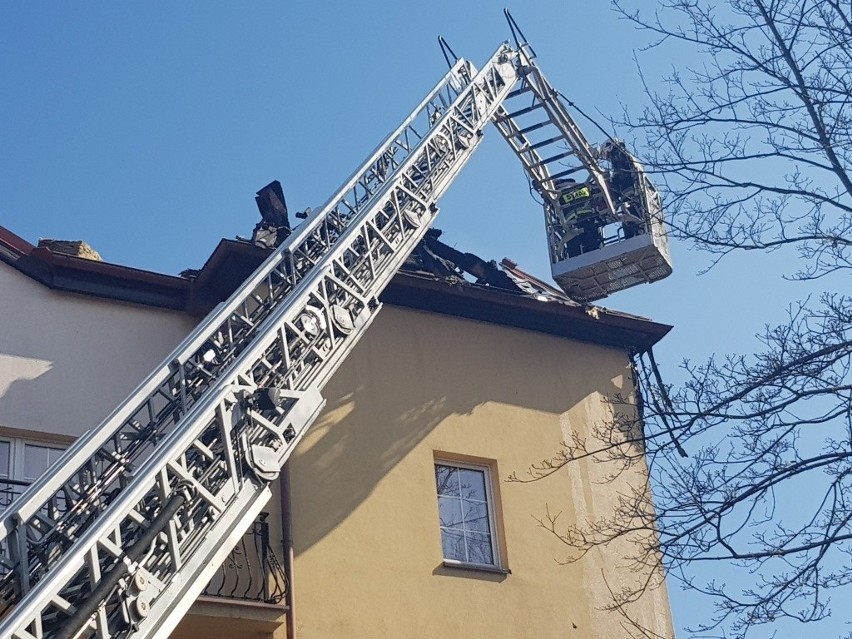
[[466, 514], [21, 462]]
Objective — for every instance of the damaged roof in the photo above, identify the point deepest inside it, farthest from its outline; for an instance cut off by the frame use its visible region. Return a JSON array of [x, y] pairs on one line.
[[435, 278]]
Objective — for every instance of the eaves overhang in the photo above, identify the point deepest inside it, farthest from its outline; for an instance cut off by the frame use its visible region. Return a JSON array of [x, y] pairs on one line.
[[90, 277], [586, 323], [233, 261]]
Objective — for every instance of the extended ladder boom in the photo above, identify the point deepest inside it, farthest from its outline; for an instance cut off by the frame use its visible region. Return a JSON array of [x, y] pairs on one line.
[[127, 528], [124, 533]]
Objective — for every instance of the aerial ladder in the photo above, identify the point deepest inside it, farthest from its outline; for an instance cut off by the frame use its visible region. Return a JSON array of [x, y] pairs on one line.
[[123, 533]]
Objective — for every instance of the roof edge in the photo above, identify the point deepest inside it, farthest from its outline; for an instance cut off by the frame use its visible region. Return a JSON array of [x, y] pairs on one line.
[[89, 277], [588, 323], [409, 290]]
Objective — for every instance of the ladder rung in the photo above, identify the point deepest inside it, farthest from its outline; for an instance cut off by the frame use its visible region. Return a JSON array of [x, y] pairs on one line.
[[533, 127], [562, 174], [553, 158], [529, 109], [538, 145]]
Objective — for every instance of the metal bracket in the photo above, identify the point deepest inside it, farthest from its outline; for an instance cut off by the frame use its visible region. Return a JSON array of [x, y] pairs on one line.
[[263, 461]]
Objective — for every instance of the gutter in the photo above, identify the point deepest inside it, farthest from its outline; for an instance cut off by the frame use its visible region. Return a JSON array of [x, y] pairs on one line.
[[88, 277]]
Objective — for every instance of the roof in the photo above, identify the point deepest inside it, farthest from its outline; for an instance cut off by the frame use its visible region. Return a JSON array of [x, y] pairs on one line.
[[433, 279], [90, 277]]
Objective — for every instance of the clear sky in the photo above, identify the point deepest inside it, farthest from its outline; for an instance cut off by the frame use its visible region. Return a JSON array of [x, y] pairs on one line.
[[146, 130]]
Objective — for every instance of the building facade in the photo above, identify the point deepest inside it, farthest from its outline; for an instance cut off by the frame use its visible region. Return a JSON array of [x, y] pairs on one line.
[[394, 517]]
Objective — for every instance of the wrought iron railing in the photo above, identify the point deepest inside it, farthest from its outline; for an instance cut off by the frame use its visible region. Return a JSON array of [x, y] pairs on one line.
[[252, 571], [9, 489]]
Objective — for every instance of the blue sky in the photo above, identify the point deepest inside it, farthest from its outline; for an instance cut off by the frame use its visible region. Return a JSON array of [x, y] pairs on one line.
[[147, 129]]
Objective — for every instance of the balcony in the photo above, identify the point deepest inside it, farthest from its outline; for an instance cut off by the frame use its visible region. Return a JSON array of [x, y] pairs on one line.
[[251, 573], [9, 489]]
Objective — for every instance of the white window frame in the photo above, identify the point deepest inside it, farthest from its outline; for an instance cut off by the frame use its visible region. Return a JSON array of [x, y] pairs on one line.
[[17, 448], [489, 507]]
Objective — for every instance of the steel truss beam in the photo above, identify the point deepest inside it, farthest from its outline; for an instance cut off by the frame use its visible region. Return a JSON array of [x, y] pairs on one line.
[[124, 532]]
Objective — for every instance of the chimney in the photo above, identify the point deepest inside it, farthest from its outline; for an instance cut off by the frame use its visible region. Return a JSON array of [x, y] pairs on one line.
[[74, 248]]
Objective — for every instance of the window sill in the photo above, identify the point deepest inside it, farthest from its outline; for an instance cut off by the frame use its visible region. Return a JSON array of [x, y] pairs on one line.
[[477, 568]]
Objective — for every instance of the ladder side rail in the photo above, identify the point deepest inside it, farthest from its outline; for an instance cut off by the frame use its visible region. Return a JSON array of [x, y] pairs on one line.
[[562, 119], [559, 115], [534, 81], [165, 394], [522, 147], [401, 217], [522, 144], [540, 179], [537, 172]]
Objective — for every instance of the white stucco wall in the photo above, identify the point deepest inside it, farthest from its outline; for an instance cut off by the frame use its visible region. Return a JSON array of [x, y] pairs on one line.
[[87, 352]]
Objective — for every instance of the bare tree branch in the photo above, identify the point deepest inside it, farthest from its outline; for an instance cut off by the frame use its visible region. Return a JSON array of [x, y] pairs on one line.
[[751, 144]]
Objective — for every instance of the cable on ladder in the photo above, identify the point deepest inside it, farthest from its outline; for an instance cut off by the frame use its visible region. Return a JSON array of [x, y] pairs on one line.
[[447, 50], [518, 35]]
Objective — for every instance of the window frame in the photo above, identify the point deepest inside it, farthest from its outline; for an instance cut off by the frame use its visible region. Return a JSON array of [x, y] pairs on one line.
[[490, 507], [16, 476]]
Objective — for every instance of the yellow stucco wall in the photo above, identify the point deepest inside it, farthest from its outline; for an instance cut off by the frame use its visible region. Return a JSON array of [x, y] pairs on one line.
[[365, 512], [368, 550]]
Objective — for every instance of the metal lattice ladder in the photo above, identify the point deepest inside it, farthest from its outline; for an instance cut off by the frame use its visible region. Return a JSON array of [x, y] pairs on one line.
[[123, 533], [537, 125]]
